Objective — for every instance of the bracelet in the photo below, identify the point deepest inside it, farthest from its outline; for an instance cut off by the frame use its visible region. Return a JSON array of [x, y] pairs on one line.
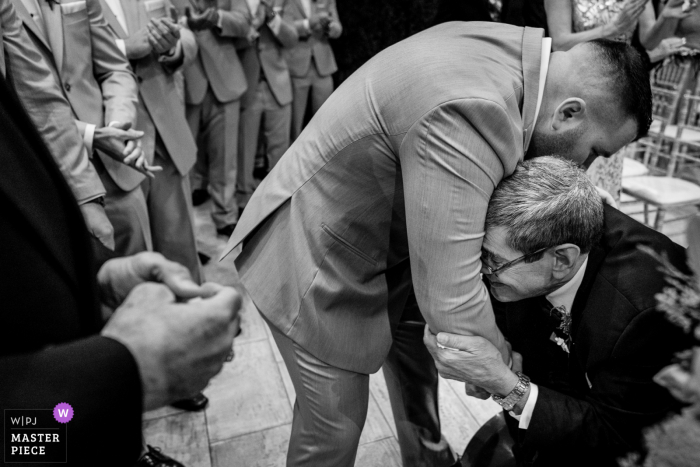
[[520, 389]]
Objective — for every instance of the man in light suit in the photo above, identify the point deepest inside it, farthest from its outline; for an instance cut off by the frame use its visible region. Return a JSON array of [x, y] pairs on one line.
[[387, 190], [311, 61], [27, 71], [74, 38], [269, 95], [167, 141], [214, 84]]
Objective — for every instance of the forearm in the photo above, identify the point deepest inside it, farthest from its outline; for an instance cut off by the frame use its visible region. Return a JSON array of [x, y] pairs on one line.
[[663, 28]]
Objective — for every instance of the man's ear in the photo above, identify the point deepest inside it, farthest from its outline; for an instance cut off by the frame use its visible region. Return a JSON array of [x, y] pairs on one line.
[[565, 257], [569, 113]]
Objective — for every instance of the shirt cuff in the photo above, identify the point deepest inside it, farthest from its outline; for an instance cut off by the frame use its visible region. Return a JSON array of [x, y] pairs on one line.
[[220, 22], [307, 26], [174, 57], [525, 417], [88, 137], [121, 45], [275, 24]]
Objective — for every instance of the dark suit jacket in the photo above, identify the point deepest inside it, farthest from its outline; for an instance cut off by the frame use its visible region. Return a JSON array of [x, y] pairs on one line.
[[49, 350], [619, 342]]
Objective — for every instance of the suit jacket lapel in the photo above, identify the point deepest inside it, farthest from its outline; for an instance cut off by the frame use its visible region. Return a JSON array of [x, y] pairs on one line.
[[301, 8], [113, 21], [531, 58], [2, 55], [30, 23], [53, 20], [580, 314], [132, 11]]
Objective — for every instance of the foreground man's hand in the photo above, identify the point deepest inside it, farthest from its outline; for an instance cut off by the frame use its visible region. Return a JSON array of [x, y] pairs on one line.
[[118, 277], [476, 361], [98, 224], [178, 347]]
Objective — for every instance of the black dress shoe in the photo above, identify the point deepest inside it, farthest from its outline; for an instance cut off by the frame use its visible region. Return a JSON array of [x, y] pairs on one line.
[[193, 404], [155, 458], [260, 173], [204, 259], [226, 230], [199, 196]]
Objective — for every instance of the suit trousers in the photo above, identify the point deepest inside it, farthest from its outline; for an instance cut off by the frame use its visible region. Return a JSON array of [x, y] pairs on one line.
[[128, 214], [317, 87], [331, 404], [277, 120], [214, 126], [171, 214]]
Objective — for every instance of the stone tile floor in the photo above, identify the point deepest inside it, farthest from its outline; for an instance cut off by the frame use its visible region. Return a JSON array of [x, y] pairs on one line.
[[248, 421]]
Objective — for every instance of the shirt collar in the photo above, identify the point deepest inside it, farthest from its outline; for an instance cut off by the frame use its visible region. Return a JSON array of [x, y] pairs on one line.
[[566, 294], [544, 67]]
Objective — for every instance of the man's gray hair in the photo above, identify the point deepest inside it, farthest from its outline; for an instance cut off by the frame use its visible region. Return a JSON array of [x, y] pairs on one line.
[[548, 201]]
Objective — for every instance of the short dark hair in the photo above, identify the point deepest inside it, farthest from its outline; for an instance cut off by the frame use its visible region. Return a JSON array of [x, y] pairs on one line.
[[547, 201], [628, 75]]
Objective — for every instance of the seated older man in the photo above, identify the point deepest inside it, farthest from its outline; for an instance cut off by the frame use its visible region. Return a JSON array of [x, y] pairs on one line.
[[575, 298]]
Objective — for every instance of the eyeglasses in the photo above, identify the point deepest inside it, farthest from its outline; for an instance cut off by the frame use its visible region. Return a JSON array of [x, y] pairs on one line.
[[488, 270]]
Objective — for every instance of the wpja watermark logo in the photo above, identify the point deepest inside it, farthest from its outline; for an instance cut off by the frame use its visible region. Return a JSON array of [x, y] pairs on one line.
[[37, 435]]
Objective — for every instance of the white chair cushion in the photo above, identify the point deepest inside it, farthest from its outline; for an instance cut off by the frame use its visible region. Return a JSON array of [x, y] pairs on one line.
[[662, 190], [633, 168]]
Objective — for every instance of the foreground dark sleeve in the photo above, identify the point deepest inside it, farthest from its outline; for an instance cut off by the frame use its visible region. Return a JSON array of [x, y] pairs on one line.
[[623, 398], [99, 378]]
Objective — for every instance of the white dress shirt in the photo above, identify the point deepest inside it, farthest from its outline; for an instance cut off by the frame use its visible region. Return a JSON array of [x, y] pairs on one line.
[[563, 296]]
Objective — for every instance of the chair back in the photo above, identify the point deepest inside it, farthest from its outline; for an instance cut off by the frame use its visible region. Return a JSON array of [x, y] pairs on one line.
[[672, 75], [686, 148]]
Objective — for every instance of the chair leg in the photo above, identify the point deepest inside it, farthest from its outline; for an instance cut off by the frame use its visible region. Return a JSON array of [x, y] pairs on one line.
[[646, 214], [660, 214]]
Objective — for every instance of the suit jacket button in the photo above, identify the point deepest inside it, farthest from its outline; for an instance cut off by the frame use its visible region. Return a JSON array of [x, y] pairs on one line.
[[67, 86]]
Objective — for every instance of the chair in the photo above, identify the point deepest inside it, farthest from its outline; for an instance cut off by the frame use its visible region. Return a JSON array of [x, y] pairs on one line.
[[491, 446], [665, 103], [665, 156]]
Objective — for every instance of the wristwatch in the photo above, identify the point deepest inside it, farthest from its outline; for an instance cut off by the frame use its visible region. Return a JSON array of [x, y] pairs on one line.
[[515, 395]]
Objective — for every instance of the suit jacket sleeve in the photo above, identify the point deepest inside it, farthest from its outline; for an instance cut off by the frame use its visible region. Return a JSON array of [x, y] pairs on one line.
[[190, 49], [451, 163], [335, 19], [38, 91], [86, 373], [287, 34], [234, 18], [622, 399], [111, 69]]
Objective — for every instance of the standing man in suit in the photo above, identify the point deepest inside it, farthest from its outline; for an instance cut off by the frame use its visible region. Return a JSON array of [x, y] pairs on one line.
[[268, 100], [311, 62], [386, 191], [156, 48], [53, 347], [574, 296], [214, 84], [101, 89], [31, 77]]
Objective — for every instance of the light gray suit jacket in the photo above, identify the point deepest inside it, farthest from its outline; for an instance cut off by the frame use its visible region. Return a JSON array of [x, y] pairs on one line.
[[392, 179], [218, 64], [159, 104], [92, 70], [30, 75], [265, 56], [315, 45]]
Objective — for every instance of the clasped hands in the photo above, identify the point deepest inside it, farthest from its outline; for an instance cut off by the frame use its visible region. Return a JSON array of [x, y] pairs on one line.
[[122, 143], [179, 333], [205, 19], [476, 362]]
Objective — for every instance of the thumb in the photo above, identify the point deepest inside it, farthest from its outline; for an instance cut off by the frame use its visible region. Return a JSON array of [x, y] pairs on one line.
[[453, 341], [226, 300]]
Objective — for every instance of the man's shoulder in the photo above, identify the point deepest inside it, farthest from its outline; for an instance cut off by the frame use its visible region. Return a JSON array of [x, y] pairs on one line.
[[628, 270]]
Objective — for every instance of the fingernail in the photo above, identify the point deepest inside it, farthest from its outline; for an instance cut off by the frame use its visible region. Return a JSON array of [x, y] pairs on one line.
[[441, 338]]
